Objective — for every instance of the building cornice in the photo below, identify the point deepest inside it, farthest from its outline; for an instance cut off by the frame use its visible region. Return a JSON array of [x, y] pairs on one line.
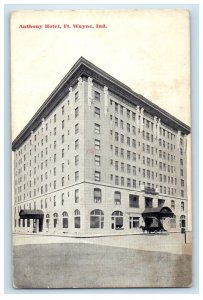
[[85, 68]]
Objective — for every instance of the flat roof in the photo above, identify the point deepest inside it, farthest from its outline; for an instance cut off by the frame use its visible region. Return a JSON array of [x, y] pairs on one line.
[[85, 68]]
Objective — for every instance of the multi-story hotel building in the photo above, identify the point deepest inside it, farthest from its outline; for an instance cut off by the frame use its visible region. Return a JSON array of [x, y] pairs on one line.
[[95, 156]]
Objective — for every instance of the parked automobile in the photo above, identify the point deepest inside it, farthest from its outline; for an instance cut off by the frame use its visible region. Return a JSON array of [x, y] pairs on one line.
[[152, 229]]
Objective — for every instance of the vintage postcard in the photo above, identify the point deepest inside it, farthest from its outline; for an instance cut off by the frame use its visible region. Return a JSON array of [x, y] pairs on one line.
[[101, 143]]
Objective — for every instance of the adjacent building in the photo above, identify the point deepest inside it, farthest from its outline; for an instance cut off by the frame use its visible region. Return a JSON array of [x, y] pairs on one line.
[[95, 156]]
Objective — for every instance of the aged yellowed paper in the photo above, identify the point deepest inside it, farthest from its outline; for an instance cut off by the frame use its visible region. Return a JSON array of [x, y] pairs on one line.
[[101, 148]]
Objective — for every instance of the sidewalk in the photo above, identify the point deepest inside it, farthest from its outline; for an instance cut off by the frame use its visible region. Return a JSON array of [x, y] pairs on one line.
[[170, 243]]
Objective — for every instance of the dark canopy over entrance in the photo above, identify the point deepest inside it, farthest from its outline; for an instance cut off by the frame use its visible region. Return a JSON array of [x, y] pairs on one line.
[[158, 212], [31, 214]]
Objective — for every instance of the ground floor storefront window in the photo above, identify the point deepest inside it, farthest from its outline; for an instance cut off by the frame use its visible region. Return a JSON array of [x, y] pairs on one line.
[[117, 220], [55, 215], [134, 222], [65, 219], [77, 218], [97, 219]]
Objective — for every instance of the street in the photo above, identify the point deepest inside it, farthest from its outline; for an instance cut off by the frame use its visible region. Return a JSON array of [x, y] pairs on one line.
[[85, 265]]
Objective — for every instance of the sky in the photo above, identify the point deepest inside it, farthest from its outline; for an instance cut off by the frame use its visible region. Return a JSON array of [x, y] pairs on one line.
[[148, 50]]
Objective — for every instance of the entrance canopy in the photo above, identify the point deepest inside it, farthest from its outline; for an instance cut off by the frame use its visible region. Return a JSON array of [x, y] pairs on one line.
[[158, 212], [31, 214]]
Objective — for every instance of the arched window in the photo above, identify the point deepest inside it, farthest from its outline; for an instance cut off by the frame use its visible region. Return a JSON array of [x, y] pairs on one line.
[[97, 195], [47, 220], [77, 218], [97, 219], [65, 219], [55, 215], [182, 221], [117, 220]]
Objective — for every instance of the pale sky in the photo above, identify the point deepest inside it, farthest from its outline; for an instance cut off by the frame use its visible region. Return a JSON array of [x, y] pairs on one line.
[[148, 50]]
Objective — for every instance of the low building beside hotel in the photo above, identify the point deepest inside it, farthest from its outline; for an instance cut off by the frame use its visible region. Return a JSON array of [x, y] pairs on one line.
[[96, 157]]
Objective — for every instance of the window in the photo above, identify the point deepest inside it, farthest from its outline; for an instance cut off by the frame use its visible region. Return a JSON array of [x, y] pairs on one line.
[[128, 182], [133, 143], [76, 160], [121, 109], [76, 128], [62, 153], [128, 113], [172, 204], [122, 181], [128, 154], [97, 144], [76, 144], [128, 127], [97, 160], [62, 181], [65, 219], [76, 112], [77, 196], [182, 206], [128, 168], [97, 112], [97, 195], [121, 124], [122, 138], [62, 199], [97, 128], [76, 96], [97, 96], [133, 201], [182, 193], [182, 182], [148, 202], [116, 180], [116, 107], [161, 202], [97, 176], [116, 136], [76, 175], [182, 221], [54, 118], [77, 218], [117, 220], [97, 219], [62, 167], [134, 222], [55, 219], [54, 131], [128, 141], [54, 184]]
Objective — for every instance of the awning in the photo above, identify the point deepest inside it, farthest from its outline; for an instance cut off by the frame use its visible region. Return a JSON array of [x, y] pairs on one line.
[[31, 214], [158, 212]]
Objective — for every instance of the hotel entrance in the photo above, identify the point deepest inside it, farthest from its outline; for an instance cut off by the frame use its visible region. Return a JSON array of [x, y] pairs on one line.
[[36, 215]]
